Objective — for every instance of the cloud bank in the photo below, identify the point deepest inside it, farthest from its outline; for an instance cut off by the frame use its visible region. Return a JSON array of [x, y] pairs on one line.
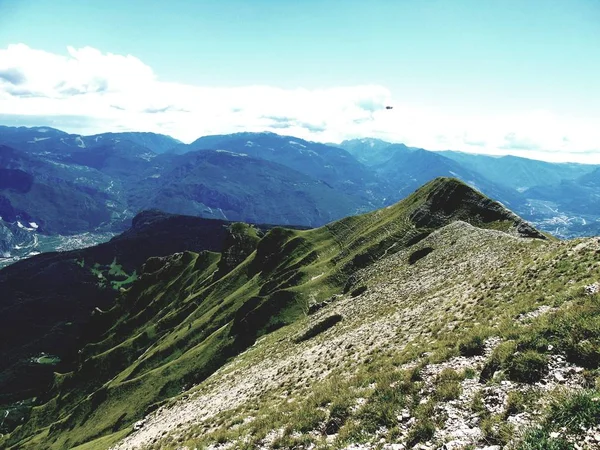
[[110, 92]]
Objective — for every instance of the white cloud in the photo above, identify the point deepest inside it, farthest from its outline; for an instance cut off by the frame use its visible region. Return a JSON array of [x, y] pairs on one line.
[[115, 93]]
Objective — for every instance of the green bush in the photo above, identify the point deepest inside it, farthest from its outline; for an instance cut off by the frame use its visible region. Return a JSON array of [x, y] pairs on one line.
[[307, 418], [478, 406], [449, 390], [407, 386], [449, 375], [472, 346], [527, 367], [415, 374], [469, 373], [338, 414], [447, 385], [585, 352], [424, 410], [575, 330], [287, 441]]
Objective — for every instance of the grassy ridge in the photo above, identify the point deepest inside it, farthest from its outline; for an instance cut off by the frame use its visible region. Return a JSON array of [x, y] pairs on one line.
[[188, 314], [474, 285]]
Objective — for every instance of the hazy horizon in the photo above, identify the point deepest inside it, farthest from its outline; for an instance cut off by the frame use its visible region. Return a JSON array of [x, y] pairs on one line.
[[517, 77]]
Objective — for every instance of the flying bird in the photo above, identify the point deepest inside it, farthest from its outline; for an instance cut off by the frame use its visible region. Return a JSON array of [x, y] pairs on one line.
[[389, 107]]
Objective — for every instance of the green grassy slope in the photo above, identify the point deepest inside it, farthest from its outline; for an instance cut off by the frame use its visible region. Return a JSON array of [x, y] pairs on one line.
[[484, 339], [189, 314]]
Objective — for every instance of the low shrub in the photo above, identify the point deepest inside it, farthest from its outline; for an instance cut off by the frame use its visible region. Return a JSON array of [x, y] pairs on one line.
[[527, 367], [358, 291], [515, 403], [319, 327], [339, 412], [381, 409], [469, 373], [473, 345], [448, 390], [307, 418], [447, 385], [448, 374]]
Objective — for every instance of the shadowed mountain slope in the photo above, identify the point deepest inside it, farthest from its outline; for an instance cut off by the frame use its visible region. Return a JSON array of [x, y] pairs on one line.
[[330, 164], [53, 295], [227, 185]]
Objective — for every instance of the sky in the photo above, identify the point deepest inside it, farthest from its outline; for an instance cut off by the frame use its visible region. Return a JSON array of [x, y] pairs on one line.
[[517, 77]]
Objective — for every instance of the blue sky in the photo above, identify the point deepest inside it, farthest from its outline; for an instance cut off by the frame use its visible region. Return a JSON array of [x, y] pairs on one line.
[[507, 76]]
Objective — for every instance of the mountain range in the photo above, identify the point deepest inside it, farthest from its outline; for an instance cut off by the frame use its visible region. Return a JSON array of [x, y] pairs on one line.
[[441, 321], [61, 191]]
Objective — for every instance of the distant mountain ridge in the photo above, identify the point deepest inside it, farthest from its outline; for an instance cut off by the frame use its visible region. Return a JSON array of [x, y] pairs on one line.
[[47, 139], [70, 184], [539, 191], [332, 165], [97, 183]]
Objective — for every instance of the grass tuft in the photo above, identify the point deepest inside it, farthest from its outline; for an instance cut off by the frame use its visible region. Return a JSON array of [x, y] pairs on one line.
[[527, 367]]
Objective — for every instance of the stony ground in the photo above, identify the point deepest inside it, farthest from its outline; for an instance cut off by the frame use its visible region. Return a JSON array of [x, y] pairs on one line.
[[405, 307]]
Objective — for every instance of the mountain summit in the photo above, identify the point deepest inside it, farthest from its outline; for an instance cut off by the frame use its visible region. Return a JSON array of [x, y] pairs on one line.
[[449, 199]]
